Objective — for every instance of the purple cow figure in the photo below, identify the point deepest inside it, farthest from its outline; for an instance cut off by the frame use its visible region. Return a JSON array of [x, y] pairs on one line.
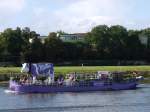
[[36, 69]]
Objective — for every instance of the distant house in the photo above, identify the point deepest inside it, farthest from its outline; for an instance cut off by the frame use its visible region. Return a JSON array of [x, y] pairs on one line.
[[42, 37], [68, 37], [144, 39], [72, 37]]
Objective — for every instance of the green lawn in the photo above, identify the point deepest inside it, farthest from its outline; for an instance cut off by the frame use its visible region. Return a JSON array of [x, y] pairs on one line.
[[88, 69], [5, 70]]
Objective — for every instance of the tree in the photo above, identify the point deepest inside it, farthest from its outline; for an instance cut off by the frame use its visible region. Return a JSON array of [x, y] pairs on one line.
[[70, 51], [133, 46], [99, 39], [12, 41], [146, 33], [60, 32], [54, 48], [31, 52], [118, 35]]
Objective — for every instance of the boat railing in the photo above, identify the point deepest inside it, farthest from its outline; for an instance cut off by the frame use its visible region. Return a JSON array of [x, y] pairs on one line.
[[82, 80], [89, 83]]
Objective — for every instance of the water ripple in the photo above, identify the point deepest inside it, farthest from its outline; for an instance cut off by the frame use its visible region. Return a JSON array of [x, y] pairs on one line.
[[42, 109]]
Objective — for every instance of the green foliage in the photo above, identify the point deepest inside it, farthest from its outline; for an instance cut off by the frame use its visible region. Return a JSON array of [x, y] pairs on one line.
[[101, 43], [53, 48]]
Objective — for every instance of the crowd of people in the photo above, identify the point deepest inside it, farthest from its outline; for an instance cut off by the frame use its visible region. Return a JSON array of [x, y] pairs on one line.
[[70, 79]]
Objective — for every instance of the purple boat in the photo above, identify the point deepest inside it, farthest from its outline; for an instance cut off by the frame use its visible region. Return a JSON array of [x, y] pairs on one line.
[[19, 88], [102, 81]]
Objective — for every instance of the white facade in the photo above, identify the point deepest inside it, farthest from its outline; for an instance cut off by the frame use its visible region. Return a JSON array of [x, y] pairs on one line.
[[68, 37], [42, 36], [143, 39], [72, 37]]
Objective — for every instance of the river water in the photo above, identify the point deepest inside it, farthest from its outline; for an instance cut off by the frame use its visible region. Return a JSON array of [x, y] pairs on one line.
[[101, 101]]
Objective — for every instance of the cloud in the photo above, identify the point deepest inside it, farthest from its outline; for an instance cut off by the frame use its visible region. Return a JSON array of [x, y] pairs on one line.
[[82, 15], [11, 5], [78, 16], [70, 16], [91, 7], [8, 10]]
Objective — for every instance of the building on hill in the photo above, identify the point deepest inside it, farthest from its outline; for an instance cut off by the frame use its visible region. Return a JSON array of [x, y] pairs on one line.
[[72, 37], [42, 37], [68, 37], [144, 39]]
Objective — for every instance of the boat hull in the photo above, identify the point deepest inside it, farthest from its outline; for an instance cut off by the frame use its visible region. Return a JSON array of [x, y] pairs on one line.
[[59, 88]]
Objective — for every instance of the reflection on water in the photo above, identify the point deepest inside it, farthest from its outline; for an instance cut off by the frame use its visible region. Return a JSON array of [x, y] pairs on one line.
[[101, 101]]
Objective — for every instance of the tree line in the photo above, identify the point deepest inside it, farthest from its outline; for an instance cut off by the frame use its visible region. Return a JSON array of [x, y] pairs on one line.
[[101, 43]]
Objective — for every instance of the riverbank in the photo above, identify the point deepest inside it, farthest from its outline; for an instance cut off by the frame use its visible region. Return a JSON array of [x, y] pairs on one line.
[[81, 69], [7, 72]]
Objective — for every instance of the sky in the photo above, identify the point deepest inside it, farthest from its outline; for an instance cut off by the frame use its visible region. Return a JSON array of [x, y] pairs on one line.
[[72, 16]]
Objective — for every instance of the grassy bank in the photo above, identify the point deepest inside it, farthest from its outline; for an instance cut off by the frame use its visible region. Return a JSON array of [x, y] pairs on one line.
[[89, 69], [6, 72], [84, 69]]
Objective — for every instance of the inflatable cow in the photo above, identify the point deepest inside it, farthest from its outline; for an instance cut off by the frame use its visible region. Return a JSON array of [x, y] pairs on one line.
[[45, 69]]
